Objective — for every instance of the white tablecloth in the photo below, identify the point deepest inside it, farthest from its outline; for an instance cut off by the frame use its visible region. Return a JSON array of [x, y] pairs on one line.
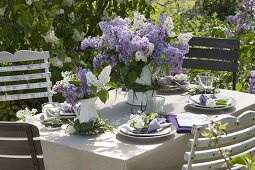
[[111, 151]]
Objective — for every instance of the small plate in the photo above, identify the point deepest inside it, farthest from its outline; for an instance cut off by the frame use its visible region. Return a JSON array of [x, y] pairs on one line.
[[194, 102], [172, 88], [162, 132], [64, 115]]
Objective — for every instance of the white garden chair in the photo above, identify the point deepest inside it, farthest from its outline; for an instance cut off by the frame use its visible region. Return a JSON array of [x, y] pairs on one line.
[[20, 64], [239, 139]]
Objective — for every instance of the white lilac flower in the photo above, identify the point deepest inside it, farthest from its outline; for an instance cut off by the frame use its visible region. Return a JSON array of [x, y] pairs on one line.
[[183, 1], [184, 38], [139, 55], [69, 2], [55, 61], [210, 102], [50, 37], [77, 36], [72, 18], [26, 115], [92, 79], [67, 60], [20, 114], [169, 24], [151, 48], [139, 21], [180, 77], [104, 76], [139, 124], [67, 76], [136, 121], [2, 11], [60, 11], [29, 2]]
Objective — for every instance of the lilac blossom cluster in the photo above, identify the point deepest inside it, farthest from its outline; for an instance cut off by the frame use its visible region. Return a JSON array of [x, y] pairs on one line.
[[71, 92], [242, 21], [103, 58], [252, 83], [139, 40]]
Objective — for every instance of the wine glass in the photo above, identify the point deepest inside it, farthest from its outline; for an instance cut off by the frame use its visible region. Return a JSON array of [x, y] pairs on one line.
[[205, 80]]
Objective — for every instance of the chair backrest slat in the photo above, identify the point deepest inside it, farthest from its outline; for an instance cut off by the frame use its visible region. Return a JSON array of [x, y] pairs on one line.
[[25, 96], [23, 55], [220, 54], [26, 86], [25, 77], [214, 42], [236, 136], [211, 65], [240, 138], [24, 67], [213, 54], [216, 164], [15, 130], [26, 164], [214, 153], [18, 147]]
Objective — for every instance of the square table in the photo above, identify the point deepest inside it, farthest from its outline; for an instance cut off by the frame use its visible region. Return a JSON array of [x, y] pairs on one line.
[[111, 151]]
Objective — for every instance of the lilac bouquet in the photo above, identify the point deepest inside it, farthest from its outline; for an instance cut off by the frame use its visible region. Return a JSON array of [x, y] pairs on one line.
[[83, 84], [130, 44]]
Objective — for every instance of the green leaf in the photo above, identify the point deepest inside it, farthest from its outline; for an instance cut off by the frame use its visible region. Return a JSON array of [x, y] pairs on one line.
[[166, 69], [103, 95], [76, 83], [242, 160], [130, 78], [238, 86], [112, 84], [93, 89]]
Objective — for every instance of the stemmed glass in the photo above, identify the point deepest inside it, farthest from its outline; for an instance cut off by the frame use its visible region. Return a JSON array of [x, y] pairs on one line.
[[205, 80]]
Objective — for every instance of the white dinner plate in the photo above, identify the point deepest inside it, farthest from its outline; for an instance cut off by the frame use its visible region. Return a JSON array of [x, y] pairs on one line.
[[194, 102], [125, 130]]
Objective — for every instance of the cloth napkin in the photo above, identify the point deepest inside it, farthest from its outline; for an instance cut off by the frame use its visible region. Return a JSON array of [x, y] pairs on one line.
[[180, 129]]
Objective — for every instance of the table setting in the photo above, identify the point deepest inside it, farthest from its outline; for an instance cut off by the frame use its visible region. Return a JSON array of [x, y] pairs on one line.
[[179, 117]]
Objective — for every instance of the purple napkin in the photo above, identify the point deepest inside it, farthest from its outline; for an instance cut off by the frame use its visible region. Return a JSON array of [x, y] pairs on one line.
[[180, 129], [155, 124]]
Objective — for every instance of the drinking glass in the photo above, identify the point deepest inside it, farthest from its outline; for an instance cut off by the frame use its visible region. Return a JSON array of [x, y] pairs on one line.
[[155, 104], [205, 80], [51, 109]]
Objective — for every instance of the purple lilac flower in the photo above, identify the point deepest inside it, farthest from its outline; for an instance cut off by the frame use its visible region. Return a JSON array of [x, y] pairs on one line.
[[103, 58], [67, 107], [70, 92], [94, 42], [252, 83], [125, 42], [81, 73]]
